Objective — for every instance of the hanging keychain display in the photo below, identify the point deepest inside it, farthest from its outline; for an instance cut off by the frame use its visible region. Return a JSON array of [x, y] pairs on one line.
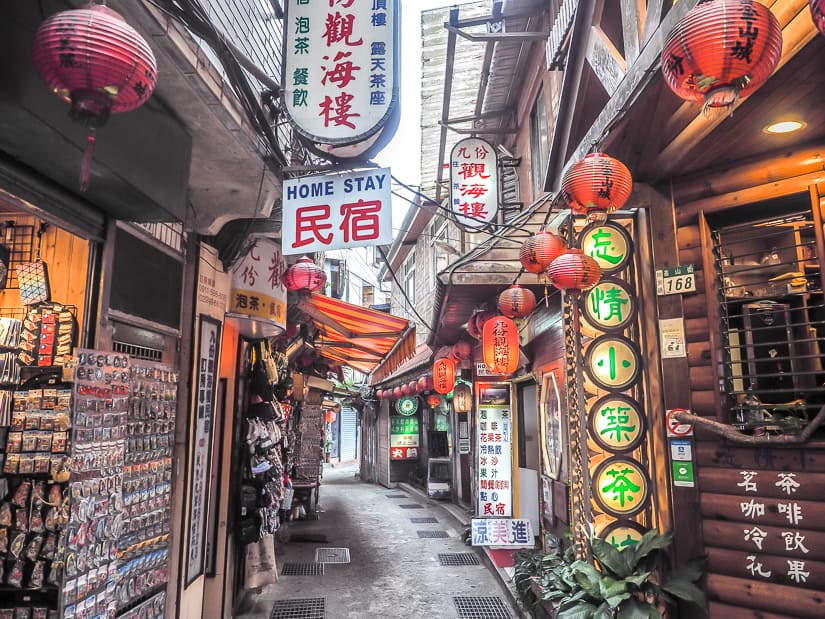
[[33, 277]]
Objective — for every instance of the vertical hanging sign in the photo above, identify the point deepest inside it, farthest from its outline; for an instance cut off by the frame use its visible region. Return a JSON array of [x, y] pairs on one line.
[[473, 183], [340, 74], [257, 303], [494, 468]]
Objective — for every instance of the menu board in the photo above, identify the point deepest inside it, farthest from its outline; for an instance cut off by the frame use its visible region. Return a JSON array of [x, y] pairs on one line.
[[494, 467]]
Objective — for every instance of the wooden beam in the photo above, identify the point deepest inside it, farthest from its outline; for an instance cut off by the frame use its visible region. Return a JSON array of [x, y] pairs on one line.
[[632, 20], [606, 61]]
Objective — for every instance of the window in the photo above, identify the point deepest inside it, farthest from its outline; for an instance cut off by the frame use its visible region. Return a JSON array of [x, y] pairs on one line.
[[409, 278], [772, 317], [539, 143], [368, 296]]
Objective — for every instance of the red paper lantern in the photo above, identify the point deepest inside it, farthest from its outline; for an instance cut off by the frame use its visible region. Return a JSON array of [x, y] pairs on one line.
[[462, 398], [574, 271], [444, 375], [596, 186], [500, 345], [413, 387], [405, 390], [540, 250], [330, 416], [720, 51], [305, 275], [92, 59], [461, 350], [396, 393], [818, 13], [476, 322], [433, 400], [379, 394], [425, 384], [516, 302]]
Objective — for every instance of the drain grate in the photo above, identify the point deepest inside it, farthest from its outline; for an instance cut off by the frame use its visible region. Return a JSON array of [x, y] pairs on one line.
[[396, 496], [312, 608], [410, 506], [481, 608], [432, 534], [303, 569], [457, 558], [332, 555], [424, 520]]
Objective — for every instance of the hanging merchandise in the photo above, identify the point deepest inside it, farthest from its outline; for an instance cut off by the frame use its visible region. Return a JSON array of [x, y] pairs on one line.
[[5, 253], [49, 332]]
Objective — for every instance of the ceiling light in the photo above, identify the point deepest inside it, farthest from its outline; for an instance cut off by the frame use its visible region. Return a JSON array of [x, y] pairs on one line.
[[784, 126]]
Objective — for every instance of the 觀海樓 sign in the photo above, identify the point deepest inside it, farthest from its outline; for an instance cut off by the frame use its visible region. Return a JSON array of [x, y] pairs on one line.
[[340, 74], [335, 211], [473, 183]]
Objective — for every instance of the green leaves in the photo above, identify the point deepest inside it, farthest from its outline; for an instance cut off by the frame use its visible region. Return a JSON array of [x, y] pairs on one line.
[[610, 558]]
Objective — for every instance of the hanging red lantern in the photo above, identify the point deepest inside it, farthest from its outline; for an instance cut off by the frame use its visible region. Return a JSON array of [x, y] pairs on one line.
[[516, 302], [330, 416], [405, 390], [596, 186], [462, 398], [444, 375], [304, 275], [413, 387], [433, 400], [396, 393], [500, 345], [425, 384], [92, 59], [476, 322], [818, 13], [461, 350], [721, 50], [540, 250], [379, 394], [574, 271]]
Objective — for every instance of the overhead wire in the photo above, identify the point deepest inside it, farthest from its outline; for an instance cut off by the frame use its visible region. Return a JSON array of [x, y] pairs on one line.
[[403, 289]]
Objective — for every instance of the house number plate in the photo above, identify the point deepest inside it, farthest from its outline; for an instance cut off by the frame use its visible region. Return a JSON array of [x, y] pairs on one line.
[[675, 280]]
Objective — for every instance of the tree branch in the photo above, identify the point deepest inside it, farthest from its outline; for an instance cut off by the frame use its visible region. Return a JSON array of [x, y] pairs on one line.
[[734, 435]]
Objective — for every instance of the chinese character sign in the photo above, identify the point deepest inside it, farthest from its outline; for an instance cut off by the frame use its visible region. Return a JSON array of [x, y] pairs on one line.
[[403, 438], [511, 532], [257, 289], [473, 183], [494, 468], [335, 211], [340, 68]]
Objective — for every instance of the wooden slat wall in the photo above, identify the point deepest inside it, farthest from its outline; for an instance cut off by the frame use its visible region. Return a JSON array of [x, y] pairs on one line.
[[754, 533], [67, 257]]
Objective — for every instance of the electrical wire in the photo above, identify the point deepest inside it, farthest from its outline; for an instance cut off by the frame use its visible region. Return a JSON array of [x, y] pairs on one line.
[[403, 290]]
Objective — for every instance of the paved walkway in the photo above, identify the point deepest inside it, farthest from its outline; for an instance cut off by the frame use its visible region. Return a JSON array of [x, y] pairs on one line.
[[393, 572]]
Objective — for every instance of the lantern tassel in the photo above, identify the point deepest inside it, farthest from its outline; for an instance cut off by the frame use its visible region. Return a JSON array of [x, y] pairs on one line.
[[86, 165]]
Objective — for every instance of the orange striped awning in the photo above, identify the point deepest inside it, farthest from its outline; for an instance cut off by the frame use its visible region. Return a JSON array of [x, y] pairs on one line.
[[356, 336]]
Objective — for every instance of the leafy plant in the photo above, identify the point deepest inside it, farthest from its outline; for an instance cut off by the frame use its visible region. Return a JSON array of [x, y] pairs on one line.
[[625, 585]]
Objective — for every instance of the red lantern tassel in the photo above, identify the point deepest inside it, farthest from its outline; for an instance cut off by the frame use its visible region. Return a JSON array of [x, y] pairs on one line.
[[86, 165]]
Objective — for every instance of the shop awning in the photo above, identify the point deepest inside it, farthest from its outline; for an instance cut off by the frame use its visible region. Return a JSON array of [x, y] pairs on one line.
[[384, 373], [357, 336]]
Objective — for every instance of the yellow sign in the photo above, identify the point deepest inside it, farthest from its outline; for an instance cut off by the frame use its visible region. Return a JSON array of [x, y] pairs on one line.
[[623, 533], [610, 305], [609, 245], [616, 423], [613, 362], [621, 486]]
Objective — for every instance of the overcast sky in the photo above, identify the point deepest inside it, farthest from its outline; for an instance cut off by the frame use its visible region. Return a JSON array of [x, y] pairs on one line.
[[402, 153]]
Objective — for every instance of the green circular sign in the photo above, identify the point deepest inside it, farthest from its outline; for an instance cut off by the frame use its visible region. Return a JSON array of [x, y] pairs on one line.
[[610, 305], [613, 362], [623, 533], [407, 406], [608, 244], [616, 423], [620, 486]]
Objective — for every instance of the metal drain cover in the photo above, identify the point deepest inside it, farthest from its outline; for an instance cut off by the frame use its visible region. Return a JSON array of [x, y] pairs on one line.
[[303, 569], [410, 506], [458, 558], [332, 555], [481, 608], [424, 520], [312, 608], [396, 496], [432, 534]]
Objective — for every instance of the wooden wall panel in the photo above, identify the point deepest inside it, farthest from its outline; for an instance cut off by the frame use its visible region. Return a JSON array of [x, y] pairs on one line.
[[731, 535], [730, 507], [767, 568], [741, 592], [735, 612]]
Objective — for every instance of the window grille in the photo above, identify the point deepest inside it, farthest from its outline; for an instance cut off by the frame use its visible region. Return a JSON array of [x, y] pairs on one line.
[[138, 352], [170, 234], [773, 321]]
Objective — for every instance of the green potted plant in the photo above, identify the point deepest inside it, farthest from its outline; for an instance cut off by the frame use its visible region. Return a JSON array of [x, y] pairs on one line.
[[624, 584]]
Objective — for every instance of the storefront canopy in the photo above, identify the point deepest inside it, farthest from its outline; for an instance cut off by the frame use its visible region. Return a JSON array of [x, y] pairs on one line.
[[357, 336]]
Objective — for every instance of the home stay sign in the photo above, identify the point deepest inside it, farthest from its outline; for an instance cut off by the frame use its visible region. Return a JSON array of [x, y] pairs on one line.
[[340, 74], [336, 211]]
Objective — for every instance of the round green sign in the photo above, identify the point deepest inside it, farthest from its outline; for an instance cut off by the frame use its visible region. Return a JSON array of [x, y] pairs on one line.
[[623, 533], [616, 423], [610, 305], [608, 244], [407, 406], [613, 362], [621, 486]]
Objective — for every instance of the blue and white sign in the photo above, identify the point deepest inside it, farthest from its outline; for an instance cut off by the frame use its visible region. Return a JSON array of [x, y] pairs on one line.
[[503, 532]]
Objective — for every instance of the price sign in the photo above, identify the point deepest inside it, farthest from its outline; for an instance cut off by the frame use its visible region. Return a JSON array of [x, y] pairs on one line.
[[675, 280]]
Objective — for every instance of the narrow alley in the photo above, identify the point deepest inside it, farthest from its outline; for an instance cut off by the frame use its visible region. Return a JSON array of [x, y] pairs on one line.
[[397, 541]]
